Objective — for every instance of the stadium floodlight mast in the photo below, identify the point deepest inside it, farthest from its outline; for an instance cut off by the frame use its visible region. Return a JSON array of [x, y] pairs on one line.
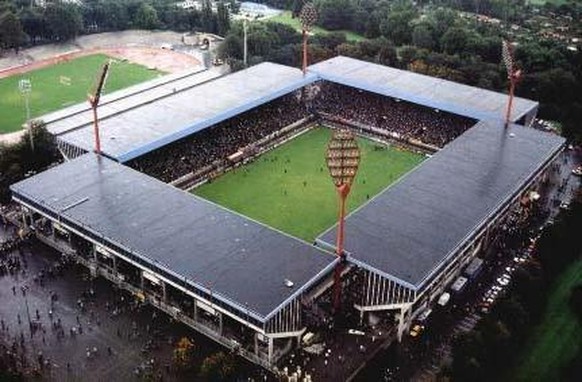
[[94, 102], [25, 87], [513, 75], [343, 159], [308, 16]]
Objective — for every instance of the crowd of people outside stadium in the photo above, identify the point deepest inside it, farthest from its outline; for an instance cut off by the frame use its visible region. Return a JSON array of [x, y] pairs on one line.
[[215, 144]]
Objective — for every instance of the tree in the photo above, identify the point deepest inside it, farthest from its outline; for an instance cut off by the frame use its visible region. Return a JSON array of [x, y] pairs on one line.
[[397, 26], [63, 20], [231, 47], [514, 315], [34, 24], [208, 19], [349, 50], [18, 159], [441, 20], [286, 33], [296, 8], [466, 353], [11, 33], [234, 7], [218, 367], [330, 40], [184, 354], [575, 301], [115, 15], [455, 40], [422, 36], [335, 14], [146, 17], [222, 18]]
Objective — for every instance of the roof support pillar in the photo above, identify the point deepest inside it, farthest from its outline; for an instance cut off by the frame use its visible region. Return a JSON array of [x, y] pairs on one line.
[[220, 324], [164, 293], [270, 353], [403, 321]]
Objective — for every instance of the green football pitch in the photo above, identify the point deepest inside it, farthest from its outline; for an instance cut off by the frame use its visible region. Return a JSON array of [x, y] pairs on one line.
[[289, 188], [62, 85]]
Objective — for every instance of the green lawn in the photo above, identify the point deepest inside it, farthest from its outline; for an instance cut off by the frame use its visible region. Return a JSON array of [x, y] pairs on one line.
[[49, 94], [272, 190], [559, 336], [285, 18]]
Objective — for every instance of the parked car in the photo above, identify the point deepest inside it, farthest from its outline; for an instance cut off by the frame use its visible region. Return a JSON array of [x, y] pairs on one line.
[[502, 281], [416, 330]]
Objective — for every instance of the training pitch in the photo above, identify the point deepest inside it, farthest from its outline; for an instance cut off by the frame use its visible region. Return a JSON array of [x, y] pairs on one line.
[[63, 84], [289, 188]]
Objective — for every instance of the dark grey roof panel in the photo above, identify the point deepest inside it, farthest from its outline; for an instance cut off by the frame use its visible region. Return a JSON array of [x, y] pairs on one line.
[[409, 229], [142, 122], [456, 98], [239, 259]]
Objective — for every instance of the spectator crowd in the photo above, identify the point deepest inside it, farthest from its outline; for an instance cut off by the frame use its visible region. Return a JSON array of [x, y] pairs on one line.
[[215, 144], [221, 140], [407, 120]]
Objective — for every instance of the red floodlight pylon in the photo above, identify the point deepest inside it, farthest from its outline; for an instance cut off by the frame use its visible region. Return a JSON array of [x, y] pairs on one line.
[[513, 75], [308, 16], [343, 159], [94, 102]]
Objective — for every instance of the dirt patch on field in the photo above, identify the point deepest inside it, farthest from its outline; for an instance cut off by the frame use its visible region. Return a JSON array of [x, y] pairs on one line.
[[165, 60]]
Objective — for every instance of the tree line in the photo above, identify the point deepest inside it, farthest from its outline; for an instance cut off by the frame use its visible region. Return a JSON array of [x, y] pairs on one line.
[[433, 40], [22, 23], [19, 160]]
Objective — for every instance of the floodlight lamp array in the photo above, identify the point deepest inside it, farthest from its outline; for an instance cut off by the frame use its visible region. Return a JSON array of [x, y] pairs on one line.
[[308, 16]]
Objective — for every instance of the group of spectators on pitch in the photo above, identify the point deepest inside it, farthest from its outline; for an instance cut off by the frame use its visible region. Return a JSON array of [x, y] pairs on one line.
[[215, 144]]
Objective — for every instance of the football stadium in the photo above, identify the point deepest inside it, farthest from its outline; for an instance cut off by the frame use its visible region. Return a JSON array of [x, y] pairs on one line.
[[211, 199]]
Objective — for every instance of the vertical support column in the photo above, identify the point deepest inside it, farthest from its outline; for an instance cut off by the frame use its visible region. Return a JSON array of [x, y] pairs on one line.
[[256, 344], [141, 283], [220, 323], [164, 293], [93, 267], [401, 324], [195, 312], [270, 353], [486, 237]]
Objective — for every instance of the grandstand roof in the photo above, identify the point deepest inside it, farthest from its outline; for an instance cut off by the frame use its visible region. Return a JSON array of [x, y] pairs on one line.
[[428, 91], [412, 228], [130, 128], [234, 259], [79, 115]]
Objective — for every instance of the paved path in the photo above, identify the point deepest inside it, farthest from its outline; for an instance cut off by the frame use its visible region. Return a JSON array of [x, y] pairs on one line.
[[94, 317]]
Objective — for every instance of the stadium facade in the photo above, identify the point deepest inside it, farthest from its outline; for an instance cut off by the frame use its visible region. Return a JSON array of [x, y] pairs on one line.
[[246, 285]]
